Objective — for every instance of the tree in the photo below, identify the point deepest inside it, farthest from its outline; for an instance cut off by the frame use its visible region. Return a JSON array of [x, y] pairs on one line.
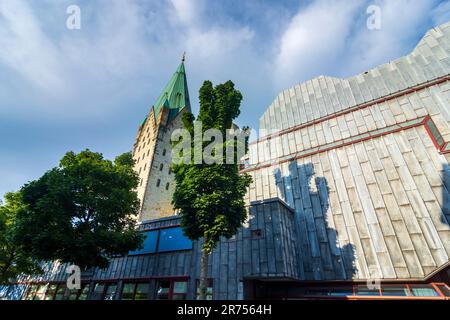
[[81, 212], [13, 259], [210, 197]]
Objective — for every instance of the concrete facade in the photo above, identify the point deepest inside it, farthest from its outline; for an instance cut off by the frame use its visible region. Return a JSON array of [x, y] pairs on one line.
[[364, 164]]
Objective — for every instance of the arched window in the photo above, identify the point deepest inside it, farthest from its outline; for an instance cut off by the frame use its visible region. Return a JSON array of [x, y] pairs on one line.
[[158, 182], [164, 152], [161, 166]]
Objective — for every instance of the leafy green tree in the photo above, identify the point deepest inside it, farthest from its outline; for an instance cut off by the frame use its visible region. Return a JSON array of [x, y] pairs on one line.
[[14, 261], [81, 212], [210, 197]]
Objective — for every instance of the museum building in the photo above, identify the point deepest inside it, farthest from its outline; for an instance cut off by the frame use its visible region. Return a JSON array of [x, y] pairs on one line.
[[350, 196]]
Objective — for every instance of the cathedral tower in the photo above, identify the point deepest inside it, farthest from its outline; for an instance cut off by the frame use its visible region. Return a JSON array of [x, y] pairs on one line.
[[152, 148]]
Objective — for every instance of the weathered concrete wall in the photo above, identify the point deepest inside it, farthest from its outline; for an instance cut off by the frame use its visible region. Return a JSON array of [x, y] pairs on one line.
[[268, 253], [364, 168], [325, 96]]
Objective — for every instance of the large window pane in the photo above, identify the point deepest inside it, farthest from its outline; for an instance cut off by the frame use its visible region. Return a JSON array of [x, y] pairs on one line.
[[423, 291], [330, 291], [128, 291], [180, 287], [31, 292], [444, 289], [173, 239], [40, 294], [151, 238], [84, 292], [395, 291], [60, 292], [51, 290], [142, 291], [74, 293], [341, 292], [163, 290], [110, 292], [365, 291], [99, 290]]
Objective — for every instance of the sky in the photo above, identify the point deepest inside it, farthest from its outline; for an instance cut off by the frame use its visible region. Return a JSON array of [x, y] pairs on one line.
[[63, 89]]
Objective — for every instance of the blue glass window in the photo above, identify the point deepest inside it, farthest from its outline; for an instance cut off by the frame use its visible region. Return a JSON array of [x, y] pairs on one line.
[[173, 239], [151, 238]]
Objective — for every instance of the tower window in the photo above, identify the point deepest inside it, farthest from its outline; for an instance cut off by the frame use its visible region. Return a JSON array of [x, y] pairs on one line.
[[145, 167], [164, 152], [161, 166], [170, 170], [158, 182], [167, 186]]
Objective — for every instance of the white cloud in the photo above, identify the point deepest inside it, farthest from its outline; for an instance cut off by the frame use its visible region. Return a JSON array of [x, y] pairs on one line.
[[314, 40], [26, 49], [403, 22], [188, 11], [129, 49], [121, 49], [330, 38], [80, 73]]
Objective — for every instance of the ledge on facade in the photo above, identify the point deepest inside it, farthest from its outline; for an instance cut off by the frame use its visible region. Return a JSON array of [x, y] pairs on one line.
[[267, 201], [269, 278], [174, 217]]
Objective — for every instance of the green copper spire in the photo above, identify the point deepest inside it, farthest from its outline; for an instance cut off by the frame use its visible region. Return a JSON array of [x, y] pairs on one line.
[[175, 95]]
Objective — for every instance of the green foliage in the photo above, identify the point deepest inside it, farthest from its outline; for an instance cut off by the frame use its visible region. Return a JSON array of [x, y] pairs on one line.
[[82, 211], [209, 197], [13, 259]]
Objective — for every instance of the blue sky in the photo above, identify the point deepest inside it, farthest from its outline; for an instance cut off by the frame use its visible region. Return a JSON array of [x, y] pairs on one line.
[[64, 89]]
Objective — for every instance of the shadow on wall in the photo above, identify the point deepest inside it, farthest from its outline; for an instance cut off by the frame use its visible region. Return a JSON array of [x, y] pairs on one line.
[[321, 256], [445, 214]]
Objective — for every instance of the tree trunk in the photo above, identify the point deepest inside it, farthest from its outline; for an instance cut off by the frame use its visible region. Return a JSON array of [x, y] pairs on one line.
[[203, 286]]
